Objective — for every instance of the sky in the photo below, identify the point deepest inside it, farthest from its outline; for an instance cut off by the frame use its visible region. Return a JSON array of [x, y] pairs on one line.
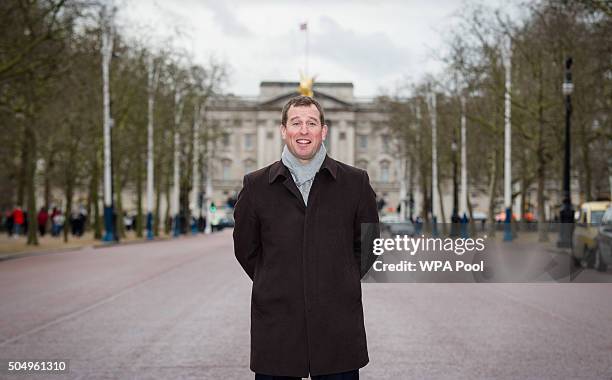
[[376, 45]]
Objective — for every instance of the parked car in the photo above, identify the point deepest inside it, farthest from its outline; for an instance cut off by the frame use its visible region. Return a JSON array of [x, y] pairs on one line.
[[603, 240], [222, 218], [479, 216], [588, 220], [394, 225]]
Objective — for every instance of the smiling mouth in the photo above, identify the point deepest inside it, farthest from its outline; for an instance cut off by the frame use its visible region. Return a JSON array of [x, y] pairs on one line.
[[303, 141]]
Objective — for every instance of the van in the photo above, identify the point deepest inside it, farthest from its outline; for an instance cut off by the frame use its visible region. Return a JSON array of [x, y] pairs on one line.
[[588, 218]]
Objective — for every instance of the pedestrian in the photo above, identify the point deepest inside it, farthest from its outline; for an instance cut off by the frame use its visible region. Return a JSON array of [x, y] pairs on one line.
[[54, 212], [81, 221], [74, 222], [297, 235], [43, 217], [58, 222], [18, 221]]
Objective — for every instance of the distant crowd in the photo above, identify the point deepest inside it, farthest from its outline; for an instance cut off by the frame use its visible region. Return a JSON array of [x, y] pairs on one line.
[[53, 221]]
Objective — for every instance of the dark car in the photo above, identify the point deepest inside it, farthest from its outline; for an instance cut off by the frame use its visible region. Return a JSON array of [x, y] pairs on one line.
[[603, 252]]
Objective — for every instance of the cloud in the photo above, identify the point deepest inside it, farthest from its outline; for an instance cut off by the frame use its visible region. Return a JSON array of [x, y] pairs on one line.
[[372, 54], [226, 19]]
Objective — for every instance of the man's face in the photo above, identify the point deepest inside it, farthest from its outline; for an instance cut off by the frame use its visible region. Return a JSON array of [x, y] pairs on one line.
[[303, 133]]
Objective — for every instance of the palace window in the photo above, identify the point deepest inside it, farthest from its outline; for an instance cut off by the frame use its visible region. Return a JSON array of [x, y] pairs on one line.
[[362, 141], [248, 141], [384, 171], [385, 140], [249, 166], [226, 167]]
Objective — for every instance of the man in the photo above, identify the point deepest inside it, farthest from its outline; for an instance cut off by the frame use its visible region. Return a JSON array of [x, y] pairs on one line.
[[18, 221], [298, 233], [43, 217]]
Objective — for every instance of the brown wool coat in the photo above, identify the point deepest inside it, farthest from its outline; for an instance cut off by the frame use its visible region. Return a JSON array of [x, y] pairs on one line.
[[306, 266]]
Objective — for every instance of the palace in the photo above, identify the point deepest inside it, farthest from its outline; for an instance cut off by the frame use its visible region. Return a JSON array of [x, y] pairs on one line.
[[358, 135]]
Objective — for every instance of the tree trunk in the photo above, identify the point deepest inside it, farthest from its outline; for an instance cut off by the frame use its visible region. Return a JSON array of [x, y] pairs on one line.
[[586, 163], [95, 197], [48, 172], [97, 226], [541, 171], [424, 190], [493, 190], [22, 176], [31, 186], [524, 185], [68, 211], [156, 218], [119, 225], [89, 222], [443, 217], [472, 223], [168, 220]]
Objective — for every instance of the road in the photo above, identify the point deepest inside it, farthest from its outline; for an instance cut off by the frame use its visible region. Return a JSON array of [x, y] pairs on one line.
[[179, 309]]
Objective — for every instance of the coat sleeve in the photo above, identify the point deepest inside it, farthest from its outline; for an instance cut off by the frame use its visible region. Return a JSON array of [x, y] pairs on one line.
[[247, 242], [366, 226]]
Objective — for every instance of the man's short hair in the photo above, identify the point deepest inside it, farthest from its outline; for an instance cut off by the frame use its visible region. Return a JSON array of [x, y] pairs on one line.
[[301, 101]]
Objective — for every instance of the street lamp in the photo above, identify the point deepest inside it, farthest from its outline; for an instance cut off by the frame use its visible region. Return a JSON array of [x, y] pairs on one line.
[[107, 54], [567, 212]]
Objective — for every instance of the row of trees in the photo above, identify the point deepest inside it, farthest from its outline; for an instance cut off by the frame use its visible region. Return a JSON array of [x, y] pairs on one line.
[[475, 67], [51, 106], [51, 110]]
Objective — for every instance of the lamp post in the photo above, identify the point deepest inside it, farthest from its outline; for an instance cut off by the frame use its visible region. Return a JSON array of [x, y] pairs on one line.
[[566, 215], [152, 80], [508, 144], [463, 196], [455, 215], [107, 54], [435, 199]]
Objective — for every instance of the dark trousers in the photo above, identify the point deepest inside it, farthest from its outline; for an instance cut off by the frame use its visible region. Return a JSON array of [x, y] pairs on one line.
[[350, 375]]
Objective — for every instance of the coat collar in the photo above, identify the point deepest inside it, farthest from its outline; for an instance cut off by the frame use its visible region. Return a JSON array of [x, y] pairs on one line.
[[278, 169]]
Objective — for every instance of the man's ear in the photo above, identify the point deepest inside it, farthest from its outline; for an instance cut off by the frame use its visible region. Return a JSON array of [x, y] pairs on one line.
[[324, 132], [283, 131]]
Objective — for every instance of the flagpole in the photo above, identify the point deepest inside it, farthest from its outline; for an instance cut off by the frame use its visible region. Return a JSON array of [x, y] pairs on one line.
[[306, 67]]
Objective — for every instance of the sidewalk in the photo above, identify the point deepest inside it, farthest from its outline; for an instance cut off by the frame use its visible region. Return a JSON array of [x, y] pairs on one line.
[[13, 248]]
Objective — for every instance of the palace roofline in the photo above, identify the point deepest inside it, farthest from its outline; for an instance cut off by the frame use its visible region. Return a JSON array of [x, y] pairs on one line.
[[315, 84]]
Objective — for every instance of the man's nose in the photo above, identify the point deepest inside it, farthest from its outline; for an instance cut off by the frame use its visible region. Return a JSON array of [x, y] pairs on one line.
[[303, 130]]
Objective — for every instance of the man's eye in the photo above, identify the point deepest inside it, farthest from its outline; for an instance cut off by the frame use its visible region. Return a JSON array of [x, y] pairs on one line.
[[312, 124], [295, 124]]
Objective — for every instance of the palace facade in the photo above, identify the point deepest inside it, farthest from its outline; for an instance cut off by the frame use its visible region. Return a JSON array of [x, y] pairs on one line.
[[250, 136]]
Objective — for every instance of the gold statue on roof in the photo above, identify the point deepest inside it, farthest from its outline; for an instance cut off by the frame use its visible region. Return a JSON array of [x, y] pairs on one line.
[[305, 87]]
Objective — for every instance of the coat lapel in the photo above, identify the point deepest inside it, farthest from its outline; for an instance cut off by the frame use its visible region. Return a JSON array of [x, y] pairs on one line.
[[291, 186], [279, 170]]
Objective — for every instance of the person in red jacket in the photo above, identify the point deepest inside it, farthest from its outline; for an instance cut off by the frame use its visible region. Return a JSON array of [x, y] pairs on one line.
[[18, 220], [43, 217]]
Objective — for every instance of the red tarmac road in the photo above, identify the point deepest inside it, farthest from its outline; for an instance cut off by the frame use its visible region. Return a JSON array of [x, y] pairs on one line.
[[180, 309]]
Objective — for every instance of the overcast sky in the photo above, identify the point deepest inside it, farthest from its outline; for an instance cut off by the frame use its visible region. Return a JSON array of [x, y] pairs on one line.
[[371, 44]]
